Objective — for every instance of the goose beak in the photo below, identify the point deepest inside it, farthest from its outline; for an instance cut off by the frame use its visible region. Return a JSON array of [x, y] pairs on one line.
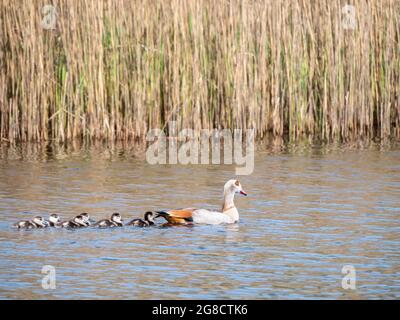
[[243, 193]]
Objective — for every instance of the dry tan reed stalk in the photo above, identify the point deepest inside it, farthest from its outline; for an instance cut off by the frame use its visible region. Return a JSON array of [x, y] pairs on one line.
[[113, 69]]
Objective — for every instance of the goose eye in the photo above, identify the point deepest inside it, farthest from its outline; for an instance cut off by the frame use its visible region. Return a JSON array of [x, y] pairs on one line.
[[237, 183]]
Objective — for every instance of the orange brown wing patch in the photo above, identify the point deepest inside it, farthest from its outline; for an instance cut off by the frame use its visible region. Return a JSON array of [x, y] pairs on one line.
[[179, 216], [182, 213]]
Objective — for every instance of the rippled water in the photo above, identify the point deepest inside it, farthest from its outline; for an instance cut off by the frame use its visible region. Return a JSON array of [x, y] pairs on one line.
[[308, 213]]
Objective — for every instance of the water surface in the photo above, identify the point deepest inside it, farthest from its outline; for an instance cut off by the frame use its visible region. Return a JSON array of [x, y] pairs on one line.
[[308, 214]]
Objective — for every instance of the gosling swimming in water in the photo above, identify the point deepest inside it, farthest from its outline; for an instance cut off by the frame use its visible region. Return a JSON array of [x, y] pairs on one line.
[[77, 222], [114, 221], [147, 222], [36, 222], [86, 218], [54, 220]]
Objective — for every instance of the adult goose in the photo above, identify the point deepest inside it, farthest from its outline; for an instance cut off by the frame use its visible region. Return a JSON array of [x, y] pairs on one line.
[[228, 214]]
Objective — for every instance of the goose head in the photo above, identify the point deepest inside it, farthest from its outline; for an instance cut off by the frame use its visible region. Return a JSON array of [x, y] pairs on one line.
[[86, 218], [54, 218], [80, 221], [38, 220], [149, 216], [116, 217], [233, 186]]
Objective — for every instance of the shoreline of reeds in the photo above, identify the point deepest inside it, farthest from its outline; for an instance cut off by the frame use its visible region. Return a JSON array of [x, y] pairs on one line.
[[112, 70], [124, 150]]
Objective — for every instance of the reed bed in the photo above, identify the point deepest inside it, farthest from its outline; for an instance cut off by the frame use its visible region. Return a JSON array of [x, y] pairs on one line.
[[112, 70]]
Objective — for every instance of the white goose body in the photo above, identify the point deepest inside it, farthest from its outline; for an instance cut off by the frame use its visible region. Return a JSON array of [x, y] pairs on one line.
[[228, 215], [203, 216]]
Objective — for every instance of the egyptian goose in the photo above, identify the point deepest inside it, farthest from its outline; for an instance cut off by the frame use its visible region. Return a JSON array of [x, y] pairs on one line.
[[36, 222], [114, 221], [146, 222], [229, 212], [77, 222], [54, 220], [86, 218]]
